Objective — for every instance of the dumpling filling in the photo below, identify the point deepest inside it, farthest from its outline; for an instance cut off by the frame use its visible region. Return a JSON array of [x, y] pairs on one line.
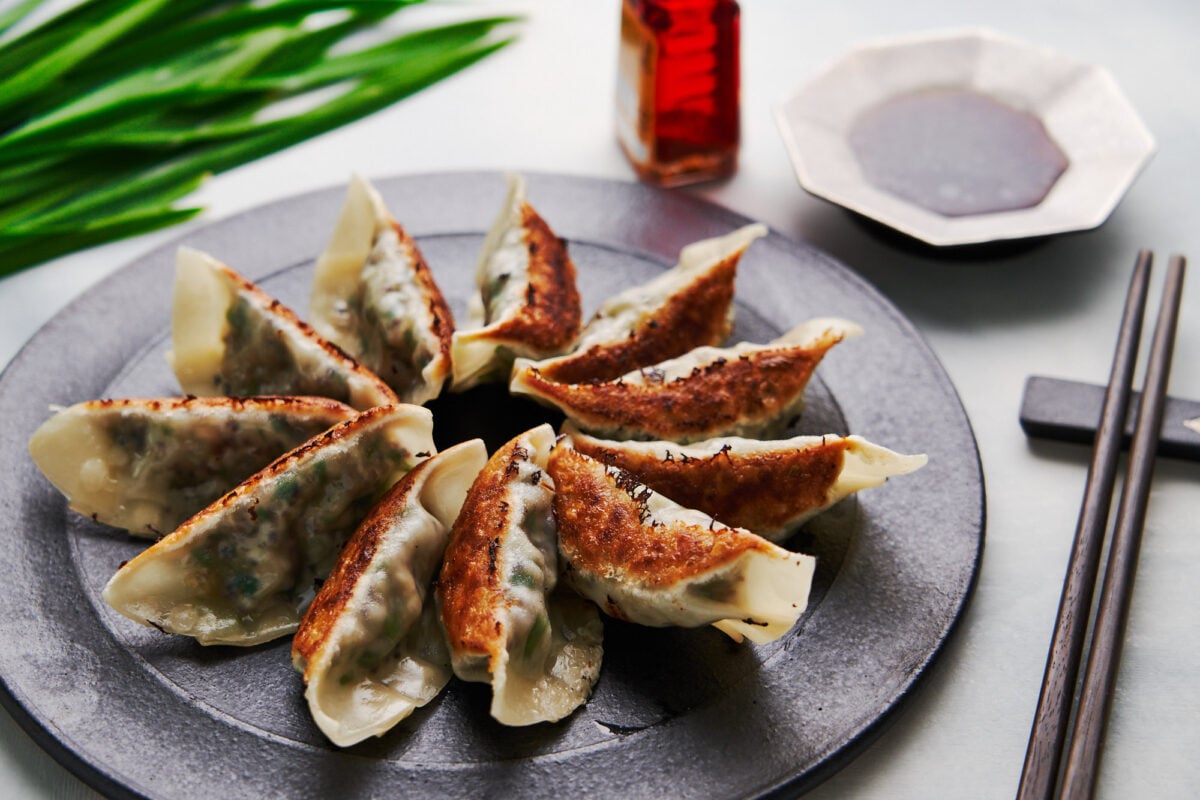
[[148, 465], [231, 338], [371, 645], [375, 297], [242, 570]]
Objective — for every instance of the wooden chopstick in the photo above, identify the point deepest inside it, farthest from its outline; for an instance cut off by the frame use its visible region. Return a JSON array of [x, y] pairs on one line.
[[1079, 777], [1050, 722]]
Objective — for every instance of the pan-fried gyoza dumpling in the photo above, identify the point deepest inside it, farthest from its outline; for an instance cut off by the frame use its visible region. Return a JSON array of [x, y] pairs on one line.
[[646, 559], [241, 571], [686, 307], [769, 487], [506, 624], [751, 390], [146, 465], [527, 305], [231, 338], [370, 645], [374, 296]]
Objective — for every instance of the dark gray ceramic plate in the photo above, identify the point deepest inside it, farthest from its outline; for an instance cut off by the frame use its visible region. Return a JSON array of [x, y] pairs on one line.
[[677, 713]]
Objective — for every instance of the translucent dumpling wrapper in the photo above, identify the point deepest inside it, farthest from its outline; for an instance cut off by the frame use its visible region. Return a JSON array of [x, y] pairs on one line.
[[506, 623], [688, 306], [242, 570], [229, 337], [752, 390], [644, 558], [147, 464], [527, 305], [769, 487], [374, 296], [371, 646]]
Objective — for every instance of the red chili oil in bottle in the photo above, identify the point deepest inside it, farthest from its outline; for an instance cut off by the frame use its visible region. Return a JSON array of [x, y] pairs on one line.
[[678, 89]]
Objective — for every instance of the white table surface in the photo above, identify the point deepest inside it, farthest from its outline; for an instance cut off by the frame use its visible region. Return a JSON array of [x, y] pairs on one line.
[[545, 104]]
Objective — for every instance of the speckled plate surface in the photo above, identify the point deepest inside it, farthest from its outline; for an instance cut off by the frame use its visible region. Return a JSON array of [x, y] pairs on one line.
[[679, 713]]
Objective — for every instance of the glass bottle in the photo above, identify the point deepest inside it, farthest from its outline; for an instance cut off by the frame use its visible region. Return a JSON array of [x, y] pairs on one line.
[[678, 89]]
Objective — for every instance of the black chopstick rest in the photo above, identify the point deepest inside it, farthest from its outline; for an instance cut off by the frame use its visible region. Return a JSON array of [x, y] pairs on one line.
[[1068, 411]]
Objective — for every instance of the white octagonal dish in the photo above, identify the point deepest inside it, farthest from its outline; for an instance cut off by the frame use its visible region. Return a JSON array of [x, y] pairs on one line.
[[1079, 106]]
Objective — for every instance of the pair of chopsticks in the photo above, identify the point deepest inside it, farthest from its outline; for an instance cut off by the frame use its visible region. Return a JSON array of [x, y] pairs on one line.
[[1039, 778]]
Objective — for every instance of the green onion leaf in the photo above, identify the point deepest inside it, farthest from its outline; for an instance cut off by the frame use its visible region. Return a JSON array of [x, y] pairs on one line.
[[114, 110], [19, 249], [42, 72], [17, 13]]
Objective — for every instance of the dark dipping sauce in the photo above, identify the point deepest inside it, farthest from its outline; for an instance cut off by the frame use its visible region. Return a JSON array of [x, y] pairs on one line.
[[956, 152]]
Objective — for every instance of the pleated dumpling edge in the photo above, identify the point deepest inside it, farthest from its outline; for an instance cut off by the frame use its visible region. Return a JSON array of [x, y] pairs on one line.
[[371, 646], [374, 296], [527, 304], [644, 558], [229, 337], [752, 390], [241, 571], [507, 622]]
